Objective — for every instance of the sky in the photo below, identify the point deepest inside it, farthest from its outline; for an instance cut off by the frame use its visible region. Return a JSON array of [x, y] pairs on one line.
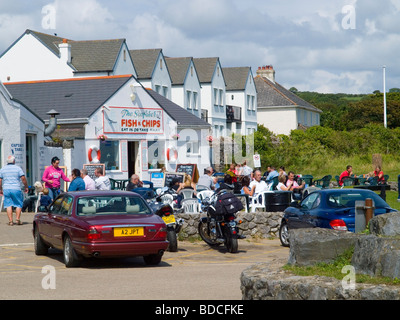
[[336, 46]]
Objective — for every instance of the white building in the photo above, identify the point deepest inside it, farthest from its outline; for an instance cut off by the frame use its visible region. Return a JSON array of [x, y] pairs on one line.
[[140, 125], [186, 88], [280, 110], [212, 93], [21, 135], [241, 100], [152, 70], [39, 56]]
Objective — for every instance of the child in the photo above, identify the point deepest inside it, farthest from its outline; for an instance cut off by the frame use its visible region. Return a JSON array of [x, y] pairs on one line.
[[45, 199]]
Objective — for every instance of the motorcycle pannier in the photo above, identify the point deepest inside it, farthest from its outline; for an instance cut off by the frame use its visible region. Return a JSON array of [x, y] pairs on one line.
[[228, 204]]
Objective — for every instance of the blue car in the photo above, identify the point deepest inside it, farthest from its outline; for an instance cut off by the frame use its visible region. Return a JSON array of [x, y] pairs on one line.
[[328, 208]]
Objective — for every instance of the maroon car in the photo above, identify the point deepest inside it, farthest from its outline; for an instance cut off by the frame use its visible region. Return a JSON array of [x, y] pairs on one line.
[[100, 224]]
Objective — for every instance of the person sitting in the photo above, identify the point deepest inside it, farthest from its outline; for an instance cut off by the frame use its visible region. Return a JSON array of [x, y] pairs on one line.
[[232, 172], [45, 199], [207, 180], [187, 184], [227, 184], [377, 174], [260, 185], [134, 183], [246, 186], [271, 175], [347, 173], [292, 185], [281, 183], [102, 182], [77, 183]]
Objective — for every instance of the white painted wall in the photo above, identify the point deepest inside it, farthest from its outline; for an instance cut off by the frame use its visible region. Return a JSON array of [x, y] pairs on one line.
[[16, 121], [161, 78], [28, 59], [279, 120]]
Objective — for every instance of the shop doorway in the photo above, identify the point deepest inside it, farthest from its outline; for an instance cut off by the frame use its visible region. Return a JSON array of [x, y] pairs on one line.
[[133, 151], [30, 159]]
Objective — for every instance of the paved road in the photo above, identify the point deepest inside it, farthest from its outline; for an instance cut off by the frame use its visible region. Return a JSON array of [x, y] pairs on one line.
[[196, 271]]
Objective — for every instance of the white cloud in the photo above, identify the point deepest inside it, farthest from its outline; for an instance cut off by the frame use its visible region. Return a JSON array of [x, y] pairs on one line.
[[305, 41]]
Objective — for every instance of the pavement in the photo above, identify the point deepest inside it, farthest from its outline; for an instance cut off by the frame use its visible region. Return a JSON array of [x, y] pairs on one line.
[[195, 272]]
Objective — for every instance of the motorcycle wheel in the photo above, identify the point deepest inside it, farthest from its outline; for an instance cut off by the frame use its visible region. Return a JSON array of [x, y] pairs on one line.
[[172, 239], [204, 233], [231, 242]]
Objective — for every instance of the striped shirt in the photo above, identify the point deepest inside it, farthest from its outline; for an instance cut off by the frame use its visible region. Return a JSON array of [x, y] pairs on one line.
[[11, 176]]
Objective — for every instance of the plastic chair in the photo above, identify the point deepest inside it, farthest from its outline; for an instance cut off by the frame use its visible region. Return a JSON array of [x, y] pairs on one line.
[[348, 181], [323, 182], [187, 193], [190, 205], [337, 180], [204, 194], [307, 178], [275, 182], [200, 187], [258, 201]]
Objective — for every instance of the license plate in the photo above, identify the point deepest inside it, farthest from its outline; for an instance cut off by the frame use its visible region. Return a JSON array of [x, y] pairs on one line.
[[128, 232], [169, 219]]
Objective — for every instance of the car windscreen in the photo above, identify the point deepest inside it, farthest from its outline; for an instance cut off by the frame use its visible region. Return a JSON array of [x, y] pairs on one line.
[[107, 205], [348, 200]]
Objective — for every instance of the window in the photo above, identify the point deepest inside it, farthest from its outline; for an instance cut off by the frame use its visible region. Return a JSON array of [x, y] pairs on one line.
[[195, 100], [188, 99], [221, 97], [109, 205], [312, 201], [110, 154], [215, 96], [253, 105], [158, 88], [248, 102], [165, 91], [192, 147]]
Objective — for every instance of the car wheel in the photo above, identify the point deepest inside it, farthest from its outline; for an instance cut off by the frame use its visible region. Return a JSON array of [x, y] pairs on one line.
[[152, 259], [284, 234], [40, 247], [71, 259]]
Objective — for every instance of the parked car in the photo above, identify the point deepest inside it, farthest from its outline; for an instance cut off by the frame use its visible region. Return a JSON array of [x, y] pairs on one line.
[[328, 208], [100, 224]]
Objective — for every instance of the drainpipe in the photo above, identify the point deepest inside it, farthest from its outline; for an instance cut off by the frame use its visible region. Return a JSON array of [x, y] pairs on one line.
[[52, 123]]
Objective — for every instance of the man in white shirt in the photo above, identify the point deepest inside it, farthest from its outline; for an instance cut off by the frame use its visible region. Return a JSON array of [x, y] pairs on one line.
[[102, 182], [261, 185]]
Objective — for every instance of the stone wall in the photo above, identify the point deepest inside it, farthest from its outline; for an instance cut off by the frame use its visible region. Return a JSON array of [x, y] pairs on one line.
[[259, 224], [260, 282]]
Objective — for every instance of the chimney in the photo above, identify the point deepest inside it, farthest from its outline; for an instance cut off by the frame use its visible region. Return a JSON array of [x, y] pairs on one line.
[[267, 72], [65, 51]]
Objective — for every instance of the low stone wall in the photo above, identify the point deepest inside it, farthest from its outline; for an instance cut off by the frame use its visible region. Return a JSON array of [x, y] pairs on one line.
[[260, 282], [258, 224]]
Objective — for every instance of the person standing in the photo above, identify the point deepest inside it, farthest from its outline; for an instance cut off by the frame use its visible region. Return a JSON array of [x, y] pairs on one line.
[[89, 182], [102, 182], [10, 187], [77, 183], [52, 175]]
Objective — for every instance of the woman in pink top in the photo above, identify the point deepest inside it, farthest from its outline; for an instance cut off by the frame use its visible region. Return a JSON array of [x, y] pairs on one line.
[[52, 176]]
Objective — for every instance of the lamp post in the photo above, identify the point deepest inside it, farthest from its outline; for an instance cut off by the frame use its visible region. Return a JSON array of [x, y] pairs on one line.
[[384, 97]]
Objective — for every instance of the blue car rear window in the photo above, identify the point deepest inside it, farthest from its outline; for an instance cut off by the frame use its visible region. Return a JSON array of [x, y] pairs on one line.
[[338, 200]]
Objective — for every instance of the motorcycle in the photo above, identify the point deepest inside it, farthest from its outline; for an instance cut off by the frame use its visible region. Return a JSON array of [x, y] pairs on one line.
[[164, 209], [220, 226]]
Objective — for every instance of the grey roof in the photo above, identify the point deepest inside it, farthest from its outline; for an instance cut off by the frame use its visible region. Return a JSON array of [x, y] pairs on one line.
[[236, 78], [78, 98], [271, 94], [145, 61], [178, 69], [205, 68], [177, 113], [74, 98], [95, 55], [86, 56]]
